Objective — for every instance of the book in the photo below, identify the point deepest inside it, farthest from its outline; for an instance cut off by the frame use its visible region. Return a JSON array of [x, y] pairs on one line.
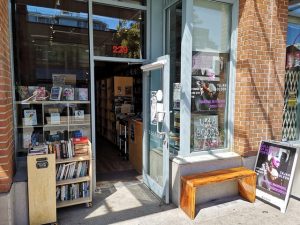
[[79, 114], [81, 140], [40, 94], [55, 118], [23, 92], [26, 139], [55, 93], [83, 94], [31, 91], [30, 118], [68, 94]]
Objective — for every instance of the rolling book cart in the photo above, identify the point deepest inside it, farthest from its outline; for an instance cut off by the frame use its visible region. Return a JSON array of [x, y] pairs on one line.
[[74, 174]]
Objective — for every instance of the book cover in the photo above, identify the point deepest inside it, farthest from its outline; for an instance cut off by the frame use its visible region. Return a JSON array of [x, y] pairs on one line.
[[80, 140], [55, 118], [30, 118], [68, 94], [31, 90], [79, 115], [55, 93], [83, 94], [40, 93], [23, 92], [26, 139]]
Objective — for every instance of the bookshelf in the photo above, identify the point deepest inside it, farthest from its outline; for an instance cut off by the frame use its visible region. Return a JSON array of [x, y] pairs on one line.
[[51, 120], [74, 182], [115, 97]]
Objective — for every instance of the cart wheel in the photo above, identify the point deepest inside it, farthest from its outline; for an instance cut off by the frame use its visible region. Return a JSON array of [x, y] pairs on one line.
[[89, 204]]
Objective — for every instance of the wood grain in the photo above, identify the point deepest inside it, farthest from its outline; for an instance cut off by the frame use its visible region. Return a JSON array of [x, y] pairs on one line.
[[41, 190], [246, 185]]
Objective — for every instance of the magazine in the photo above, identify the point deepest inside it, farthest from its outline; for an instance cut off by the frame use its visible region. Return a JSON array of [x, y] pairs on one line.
[[30, 118], [68, 94], [83, 94], [55, 93]]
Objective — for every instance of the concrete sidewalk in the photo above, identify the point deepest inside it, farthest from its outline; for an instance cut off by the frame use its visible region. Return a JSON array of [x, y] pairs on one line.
[[133, 203]]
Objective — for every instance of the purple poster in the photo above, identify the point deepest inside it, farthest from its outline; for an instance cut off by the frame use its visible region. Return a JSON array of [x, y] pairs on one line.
[[274, 168], [209, 83]]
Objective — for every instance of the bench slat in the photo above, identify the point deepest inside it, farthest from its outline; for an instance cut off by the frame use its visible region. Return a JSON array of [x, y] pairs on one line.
[[217, 176]]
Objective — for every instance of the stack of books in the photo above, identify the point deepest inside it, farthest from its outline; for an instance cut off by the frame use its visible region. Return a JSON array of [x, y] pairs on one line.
[[38, 150], [81, 146]]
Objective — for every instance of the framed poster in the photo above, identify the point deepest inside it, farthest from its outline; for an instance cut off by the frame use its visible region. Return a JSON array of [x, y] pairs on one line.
[[275, 167]]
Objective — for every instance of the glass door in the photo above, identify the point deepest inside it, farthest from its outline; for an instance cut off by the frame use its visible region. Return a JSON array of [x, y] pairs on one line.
[[156, 116]]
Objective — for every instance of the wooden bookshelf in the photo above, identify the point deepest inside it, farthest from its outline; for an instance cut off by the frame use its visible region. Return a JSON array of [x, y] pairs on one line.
[[73, 202], [87, 178], [72, 181]]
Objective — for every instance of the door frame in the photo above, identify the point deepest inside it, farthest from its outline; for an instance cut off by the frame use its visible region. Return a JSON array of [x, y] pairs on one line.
[[162, 63]]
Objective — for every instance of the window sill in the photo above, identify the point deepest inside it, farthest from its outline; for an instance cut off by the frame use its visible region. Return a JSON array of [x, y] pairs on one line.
[[204, 157]]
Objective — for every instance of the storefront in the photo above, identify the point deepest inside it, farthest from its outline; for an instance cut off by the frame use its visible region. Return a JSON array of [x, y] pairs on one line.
[[211, 80]]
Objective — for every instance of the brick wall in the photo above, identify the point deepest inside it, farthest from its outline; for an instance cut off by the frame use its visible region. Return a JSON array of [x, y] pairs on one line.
[[6, 111], [260, 73]]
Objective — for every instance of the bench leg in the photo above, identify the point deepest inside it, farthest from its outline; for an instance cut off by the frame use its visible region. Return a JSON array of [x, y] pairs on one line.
[[247, 187], [187, 199]]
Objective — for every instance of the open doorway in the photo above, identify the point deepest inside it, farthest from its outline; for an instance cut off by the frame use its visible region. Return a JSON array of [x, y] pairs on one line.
[[118, 121]]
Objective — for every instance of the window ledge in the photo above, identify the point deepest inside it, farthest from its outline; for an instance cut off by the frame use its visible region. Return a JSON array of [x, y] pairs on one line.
[[205, 157]]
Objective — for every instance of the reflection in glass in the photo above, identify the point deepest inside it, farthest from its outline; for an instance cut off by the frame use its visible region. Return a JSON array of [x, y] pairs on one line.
[[118, 32], [155, 157], [51, 50], [173, 48], [210, 70]]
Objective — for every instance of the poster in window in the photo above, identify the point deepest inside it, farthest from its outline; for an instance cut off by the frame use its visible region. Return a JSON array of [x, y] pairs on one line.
[[206, 132], [275, 167], [208, 81]]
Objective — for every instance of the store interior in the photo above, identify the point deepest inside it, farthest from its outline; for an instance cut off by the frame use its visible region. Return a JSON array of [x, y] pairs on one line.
[[118, 121]]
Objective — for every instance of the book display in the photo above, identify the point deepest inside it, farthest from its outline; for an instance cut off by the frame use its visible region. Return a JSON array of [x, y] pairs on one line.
[[52, 121], [72, 180], [73, 172], [52, 112]]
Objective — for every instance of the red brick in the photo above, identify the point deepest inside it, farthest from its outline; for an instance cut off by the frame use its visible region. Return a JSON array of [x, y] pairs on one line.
[[6, 107]]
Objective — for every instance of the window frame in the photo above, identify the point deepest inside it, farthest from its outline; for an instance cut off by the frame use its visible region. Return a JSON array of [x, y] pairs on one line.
[[186, 78]]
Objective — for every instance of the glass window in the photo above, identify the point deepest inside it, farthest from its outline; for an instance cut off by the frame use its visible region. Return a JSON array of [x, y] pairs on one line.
[[51, 71], [290, 128], [173, 48], [210, 73], [138, 2], [119, 32]]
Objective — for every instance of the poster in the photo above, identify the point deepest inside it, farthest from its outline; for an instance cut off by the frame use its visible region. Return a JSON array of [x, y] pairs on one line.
[[206, 132], [275, 167], [209, 83]]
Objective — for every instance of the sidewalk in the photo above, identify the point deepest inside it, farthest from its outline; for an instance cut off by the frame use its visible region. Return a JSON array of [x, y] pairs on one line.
[[133, 203]]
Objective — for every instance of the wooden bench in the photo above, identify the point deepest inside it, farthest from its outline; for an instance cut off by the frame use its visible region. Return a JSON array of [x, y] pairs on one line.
[[246, 185]]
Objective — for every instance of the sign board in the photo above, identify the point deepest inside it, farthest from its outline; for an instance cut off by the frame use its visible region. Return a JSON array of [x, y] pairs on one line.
[[275, 167]]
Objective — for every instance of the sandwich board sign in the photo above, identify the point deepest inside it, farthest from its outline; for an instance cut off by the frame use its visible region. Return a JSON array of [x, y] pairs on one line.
[[275, 168]]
